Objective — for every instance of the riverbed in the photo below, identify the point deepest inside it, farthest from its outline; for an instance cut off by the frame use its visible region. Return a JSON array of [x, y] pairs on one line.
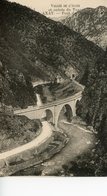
[[80, 142]]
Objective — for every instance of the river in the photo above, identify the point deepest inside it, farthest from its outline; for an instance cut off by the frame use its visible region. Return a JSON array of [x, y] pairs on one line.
[[80, 142]]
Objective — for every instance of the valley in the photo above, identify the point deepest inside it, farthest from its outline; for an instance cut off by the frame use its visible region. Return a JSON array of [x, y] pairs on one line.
[[79, 143], [53, 93]]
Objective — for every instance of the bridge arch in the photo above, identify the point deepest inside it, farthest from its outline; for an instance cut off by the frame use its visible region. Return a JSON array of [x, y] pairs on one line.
[[77, 103], [49, 115], [66, 113]]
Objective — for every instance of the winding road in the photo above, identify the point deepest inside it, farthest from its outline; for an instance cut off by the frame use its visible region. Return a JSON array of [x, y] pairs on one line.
[[45, 134], [46, 128]]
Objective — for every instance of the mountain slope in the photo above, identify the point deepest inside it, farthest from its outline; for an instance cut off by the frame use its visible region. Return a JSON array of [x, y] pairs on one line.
[[92, 23], [15, 88], [40, 47], [93, 106]]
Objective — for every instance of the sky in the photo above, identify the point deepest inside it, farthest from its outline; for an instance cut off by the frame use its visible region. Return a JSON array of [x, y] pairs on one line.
[[44, 6]]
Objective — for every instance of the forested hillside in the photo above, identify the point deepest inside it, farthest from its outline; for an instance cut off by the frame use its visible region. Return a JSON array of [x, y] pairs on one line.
[[92, 23], [40, 47], [15, 88], [93, 106]]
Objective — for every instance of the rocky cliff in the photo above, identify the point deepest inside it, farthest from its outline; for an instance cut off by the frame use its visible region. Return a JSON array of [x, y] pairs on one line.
[[92, 23]]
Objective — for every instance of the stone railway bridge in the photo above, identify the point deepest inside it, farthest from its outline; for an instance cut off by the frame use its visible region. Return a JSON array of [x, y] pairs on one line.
[[53, 110]]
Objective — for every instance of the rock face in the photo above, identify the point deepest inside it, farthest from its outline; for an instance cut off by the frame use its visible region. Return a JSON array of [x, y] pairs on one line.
[[92, 23], [40, 47]]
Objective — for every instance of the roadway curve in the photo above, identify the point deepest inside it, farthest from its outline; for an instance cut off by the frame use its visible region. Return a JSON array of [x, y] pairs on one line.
[[46, 130], [45, 134]]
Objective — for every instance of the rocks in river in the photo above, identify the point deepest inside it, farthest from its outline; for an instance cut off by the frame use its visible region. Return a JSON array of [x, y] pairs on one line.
[[26, 155]]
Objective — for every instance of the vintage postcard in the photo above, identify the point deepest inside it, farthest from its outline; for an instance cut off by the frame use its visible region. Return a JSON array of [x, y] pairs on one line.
[[53, 88]]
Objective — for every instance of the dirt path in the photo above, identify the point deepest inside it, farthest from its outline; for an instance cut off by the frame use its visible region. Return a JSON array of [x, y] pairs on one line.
[[80, 141]]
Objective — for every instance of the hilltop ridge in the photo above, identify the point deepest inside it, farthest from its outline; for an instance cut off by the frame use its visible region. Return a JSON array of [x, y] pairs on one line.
[[41, 47], [90, 22]]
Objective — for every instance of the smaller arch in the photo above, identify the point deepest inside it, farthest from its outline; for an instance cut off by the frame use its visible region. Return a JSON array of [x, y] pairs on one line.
[[77, 105], [65, 113], [77, 102], [49, 116]]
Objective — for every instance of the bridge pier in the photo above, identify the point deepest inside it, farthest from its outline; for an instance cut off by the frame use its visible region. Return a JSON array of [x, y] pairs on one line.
[[57, 110]]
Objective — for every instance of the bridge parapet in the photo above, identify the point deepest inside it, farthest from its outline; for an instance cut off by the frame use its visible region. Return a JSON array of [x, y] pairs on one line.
[[52, 104]]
